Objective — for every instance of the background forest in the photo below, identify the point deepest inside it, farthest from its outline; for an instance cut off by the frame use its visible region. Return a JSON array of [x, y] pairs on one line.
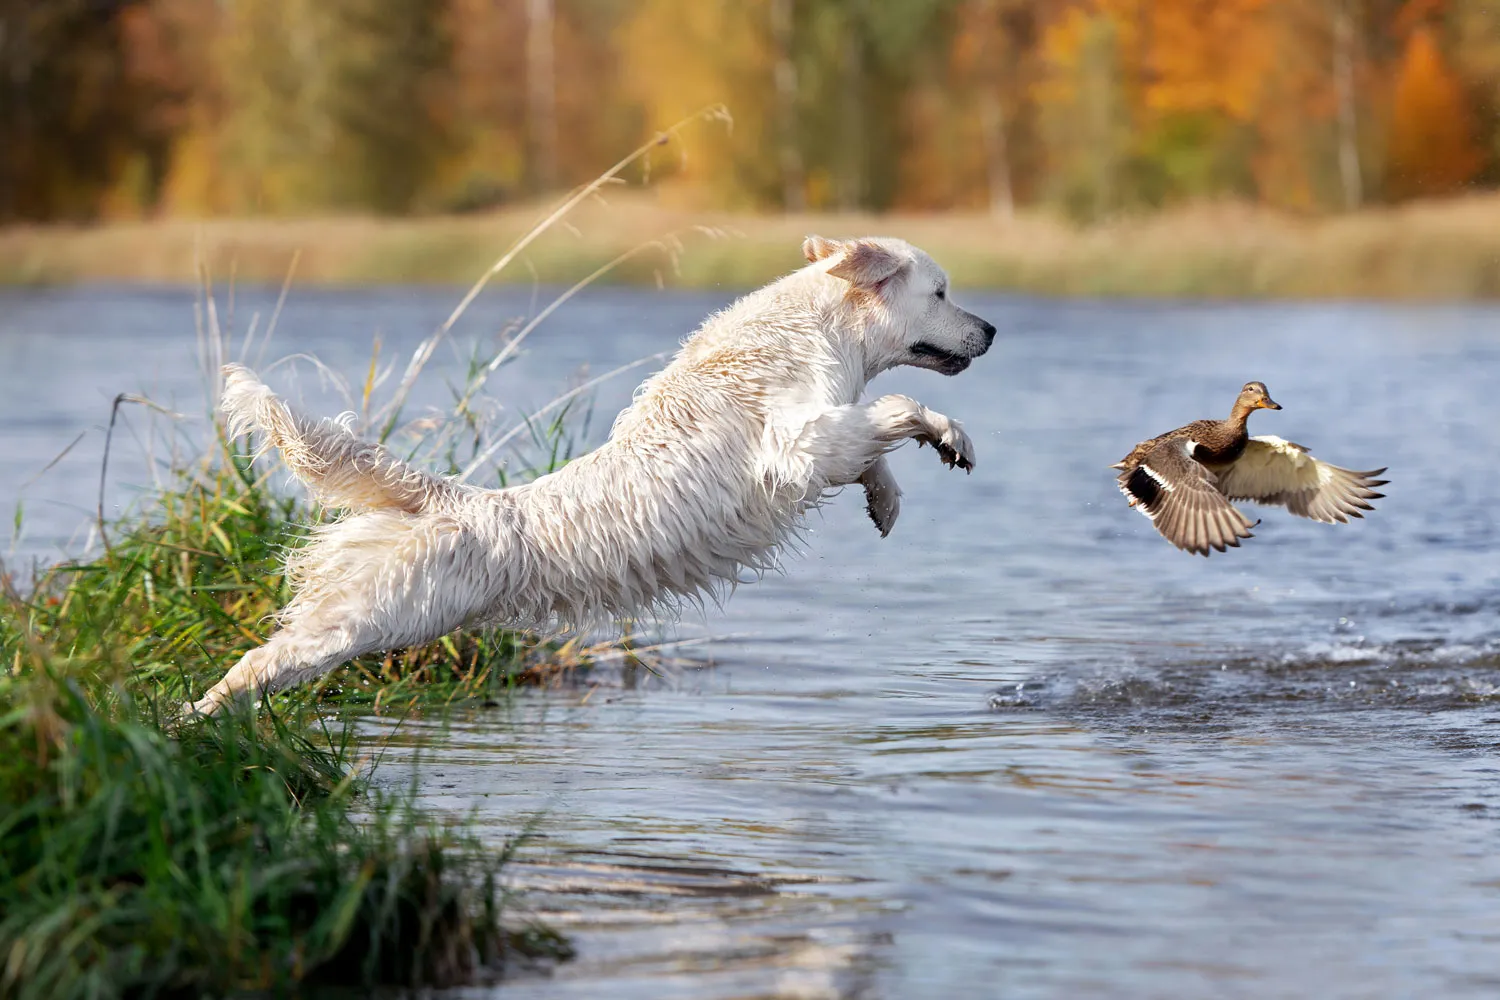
[[1091, 108]]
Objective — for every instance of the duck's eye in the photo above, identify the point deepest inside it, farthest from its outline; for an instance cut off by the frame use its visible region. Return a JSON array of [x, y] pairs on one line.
[[941, 293]]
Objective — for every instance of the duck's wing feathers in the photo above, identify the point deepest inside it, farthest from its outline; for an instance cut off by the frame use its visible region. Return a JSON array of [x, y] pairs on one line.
[[1275, 471], [1183, 499]]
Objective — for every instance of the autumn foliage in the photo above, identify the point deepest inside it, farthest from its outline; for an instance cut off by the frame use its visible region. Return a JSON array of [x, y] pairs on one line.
[[1092, 107], [1432, 147]]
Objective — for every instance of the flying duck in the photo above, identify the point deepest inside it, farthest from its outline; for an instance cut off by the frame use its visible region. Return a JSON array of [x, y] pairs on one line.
[[1185, 479]]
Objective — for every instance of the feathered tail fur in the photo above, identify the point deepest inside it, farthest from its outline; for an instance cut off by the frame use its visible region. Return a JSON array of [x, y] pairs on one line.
[[341, 470]]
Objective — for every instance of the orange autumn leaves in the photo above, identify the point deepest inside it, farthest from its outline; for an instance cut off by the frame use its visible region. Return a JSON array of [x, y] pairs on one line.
[[1089, 107], [1432, 147], [1094, 106]]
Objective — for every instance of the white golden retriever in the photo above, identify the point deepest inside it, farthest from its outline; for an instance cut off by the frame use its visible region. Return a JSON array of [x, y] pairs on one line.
[[708, 472]]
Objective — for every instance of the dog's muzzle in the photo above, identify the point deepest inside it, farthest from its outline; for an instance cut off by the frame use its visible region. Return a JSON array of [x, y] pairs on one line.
[[939, 360], [948, 362]]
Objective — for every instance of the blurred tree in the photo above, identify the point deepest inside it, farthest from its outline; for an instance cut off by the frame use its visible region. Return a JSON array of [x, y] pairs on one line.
[[784, 72], [336, 103], [680, 55], [1085, 106], [162, 93], [1474, 27], [827, 126], [385, 91], [278, 136], [67, 111], [967, 139], [541, 92], [1293, 115], [112, 107], [597, 119], [1432, 147], [489, 109], [1345, 56], [994, 56], [1205, 64], [172, 50]]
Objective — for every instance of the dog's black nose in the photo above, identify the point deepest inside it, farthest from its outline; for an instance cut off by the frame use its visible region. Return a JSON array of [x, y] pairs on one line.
[[989, 332]]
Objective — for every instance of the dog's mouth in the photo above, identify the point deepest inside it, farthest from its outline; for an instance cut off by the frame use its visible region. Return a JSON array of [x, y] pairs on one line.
[[939, 360]]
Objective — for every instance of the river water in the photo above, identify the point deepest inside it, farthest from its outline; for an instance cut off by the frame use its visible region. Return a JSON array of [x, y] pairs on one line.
[[1022, 747]]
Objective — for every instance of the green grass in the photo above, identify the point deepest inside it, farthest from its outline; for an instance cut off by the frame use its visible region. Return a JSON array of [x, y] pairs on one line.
[[143, 854], [139, 860], [183, 591], [148, 853]]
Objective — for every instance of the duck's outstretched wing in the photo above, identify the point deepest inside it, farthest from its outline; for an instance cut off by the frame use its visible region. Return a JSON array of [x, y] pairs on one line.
[[1276, 471], [1183, 499]]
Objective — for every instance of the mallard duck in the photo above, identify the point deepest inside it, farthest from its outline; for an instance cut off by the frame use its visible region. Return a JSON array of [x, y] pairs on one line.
[[1185, 479]]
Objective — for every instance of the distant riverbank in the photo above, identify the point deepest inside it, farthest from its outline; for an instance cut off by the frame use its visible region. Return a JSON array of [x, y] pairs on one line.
[[1432, 250]]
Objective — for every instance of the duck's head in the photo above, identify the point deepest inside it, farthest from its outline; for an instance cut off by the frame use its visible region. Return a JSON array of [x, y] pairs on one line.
[[1255, 396]]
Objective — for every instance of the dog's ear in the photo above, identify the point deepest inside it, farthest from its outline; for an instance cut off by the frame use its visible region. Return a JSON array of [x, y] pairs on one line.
[[866, 264], [815, 248]]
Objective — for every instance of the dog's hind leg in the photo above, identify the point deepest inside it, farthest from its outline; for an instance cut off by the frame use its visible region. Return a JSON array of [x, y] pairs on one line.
[[295, 654], [882, 495], [319, 639], [370, 582]]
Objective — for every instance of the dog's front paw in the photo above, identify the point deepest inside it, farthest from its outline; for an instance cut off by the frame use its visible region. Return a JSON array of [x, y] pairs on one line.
[[951, 443]]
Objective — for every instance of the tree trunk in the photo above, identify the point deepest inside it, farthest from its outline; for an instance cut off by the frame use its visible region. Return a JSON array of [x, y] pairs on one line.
[[793, 190], [997, 161], [992, 117], [1343, 85], [852, 182], [541, 93]]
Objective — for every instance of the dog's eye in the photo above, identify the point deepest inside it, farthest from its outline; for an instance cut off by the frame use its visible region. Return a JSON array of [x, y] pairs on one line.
[[941, 293]]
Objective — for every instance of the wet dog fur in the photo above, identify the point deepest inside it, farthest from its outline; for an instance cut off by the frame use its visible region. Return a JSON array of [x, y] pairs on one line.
[[707, 474]]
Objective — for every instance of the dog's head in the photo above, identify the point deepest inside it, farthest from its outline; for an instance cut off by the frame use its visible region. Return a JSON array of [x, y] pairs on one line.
[[914, 322]]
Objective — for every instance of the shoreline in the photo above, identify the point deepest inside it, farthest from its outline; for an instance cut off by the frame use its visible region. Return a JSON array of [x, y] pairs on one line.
[[1438, 251]]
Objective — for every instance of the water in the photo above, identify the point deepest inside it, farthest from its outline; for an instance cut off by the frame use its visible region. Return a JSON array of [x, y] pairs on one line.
[[1022, 747]]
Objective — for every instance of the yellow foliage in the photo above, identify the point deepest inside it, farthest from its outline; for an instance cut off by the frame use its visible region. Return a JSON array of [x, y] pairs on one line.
[[682, 55], [190, 107], [195, 184], [1208, 55], [1063, 46], [1185, 55]]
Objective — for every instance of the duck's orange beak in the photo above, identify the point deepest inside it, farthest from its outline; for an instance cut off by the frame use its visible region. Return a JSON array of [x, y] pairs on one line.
[[1267, 403]]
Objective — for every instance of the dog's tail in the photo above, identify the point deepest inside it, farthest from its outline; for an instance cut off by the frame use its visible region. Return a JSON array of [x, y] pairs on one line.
[[341, 470]]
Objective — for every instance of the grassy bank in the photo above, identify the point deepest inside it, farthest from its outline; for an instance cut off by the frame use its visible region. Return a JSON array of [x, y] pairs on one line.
[[142, 853], [1435, 250], [145, 854], [139, 860]]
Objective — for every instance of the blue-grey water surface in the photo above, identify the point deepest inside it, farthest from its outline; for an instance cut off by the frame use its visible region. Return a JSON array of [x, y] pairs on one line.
[[1022, 747]]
